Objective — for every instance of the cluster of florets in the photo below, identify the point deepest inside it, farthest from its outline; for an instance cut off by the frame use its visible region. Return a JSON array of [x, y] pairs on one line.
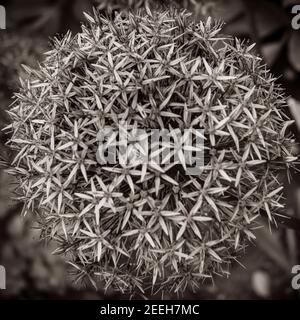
[[146, 224]]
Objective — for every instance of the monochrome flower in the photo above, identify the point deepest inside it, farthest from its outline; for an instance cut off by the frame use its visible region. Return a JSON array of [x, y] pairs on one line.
[[134, 225]]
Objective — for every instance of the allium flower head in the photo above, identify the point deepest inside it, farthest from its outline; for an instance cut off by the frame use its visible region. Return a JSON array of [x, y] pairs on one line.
[[136, 225]]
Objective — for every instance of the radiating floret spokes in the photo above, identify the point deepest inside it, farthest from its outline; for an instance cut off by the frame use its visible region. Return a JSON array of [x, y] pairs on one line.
[[139, 226]]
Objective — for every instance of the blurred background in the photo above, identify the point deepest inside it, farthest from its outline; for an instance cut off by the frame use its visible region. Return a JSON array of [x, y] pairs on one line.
[[264, 271]]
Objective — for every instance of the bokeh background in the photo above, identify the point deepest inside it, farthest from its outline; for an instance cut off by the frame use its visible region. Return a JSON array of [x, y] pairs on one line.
[[264, 271]]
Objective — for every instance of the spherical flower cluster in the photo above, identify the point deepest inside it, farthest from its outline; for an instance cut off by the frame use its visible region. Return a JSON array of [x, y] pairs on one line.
[[139, 225]]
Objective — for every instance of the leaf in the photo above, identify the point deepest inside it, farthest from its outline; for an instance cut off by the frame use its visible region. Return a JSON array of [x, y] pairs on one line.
[[83, 196], [163, 225], [99, 250], [268, 24], [272, 246], [168, 98], [126, 218], [207, 67], [89, 18], [169, 179], [202, 218], [87, 233], [148, 81], [130, 233], [272, 50], [271, 194], [294, 50], [181, 230], [214, 254], [294, 107], [149, 239]]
